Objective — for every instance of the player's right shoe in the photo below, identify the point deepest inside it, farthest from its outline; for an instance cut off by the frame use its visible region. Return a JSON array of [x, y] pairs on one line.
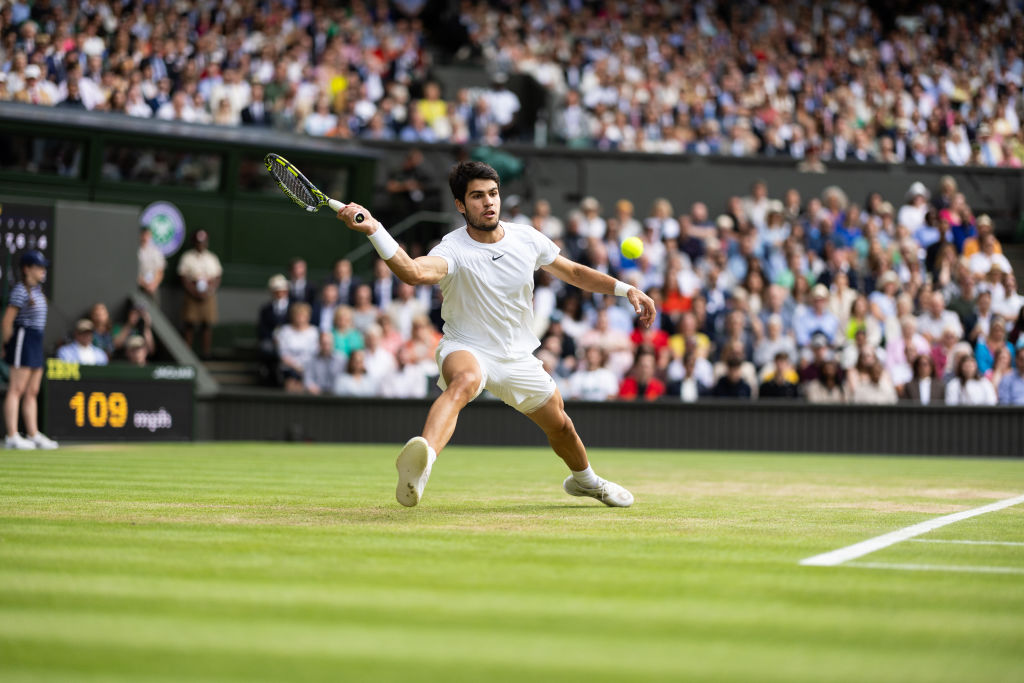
[[609, 493], [19, 443], [413, 464]]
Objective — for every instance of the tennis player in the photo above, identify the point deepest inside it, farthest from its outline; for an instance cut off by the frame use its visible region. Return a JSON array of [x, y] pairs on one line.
[[485, 270], [23, 324]]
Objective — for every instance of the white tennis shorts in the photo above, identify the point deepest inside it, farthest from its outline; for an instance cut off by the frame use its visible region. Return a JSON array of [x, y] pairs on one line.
[[520, 382]]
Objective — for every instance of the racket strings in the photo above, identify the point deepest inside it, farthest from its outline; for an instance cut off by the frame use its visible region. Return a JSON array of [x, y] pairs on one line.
[[294, 187]]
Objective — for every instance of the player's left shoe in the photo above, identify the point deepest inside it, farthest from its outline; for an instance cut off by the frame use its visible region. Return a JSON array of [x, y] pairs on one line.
[[43, 442], [413, 464], [609, 493]]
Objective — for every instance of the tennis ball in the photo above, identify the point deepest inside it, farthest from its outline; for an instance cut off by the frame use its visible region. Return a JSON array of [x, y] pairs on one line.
[[632, 247]]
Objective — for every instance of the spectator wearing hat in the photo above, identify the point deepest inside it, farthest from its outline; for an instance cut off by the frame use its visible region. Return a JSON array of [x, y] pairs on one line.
[[23, 325], [987, 258], [972, 245], [912, 214], [136, 350], [37, 90], [1011, 387], [81, 349], [816, 318], [200, 272], [272, 315]]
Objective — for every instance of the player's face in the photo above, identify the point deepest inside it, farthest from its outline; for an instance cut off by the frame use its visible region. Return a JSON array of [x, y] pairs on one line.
[[482, 206]]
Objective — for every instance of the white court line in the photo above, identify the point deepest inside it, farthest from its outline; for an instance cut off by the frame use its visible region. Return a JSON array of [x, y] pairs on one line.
[[936, 568], [929, 540], [852, 552]]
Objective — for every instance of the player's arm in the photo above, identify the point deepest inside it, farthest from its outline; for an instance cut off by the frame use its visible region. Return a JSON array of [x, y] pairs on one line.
[[424, 270], [8, 322], [591, 280]]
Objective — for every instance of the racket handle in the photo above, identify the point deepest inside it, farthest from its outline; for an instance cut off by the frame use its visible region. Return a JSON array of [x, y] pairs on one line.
[[337, 206]]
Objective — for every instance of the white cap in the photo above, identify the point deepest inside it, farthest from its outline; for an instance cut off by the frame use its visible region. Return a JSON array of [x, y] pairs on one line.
[[33, 71]]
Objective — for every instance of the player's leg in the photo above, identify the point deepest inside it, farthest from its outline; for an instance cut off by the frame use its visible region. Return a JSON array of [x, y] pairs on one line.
[[30, 412], [462, 375], [558, 427]]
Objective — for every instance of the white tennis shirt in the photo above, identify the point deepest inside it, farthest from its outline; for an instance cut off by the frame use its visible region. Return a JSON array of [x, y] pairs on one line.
[[488, 291]]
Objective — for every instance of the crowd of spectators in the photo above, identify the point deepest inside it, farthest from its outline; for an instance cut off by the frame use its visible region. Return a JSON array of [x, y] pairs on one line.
[[96, 339], [810, 81], [820, 298]]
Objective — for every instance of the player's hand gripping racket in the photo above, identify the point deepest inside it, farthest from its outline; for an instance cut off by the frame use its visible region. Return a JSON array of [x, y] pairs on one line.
[[299, 189]]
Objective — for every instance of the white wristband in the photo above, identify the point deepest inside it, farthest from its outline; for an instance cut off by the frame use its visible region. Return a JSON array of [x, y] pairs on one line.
[[384, 243], [621, 288]]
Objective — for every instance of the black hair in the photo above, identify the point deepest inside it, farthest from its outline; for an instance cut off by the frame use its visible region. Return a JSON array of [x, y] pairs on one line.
[[461, 174]]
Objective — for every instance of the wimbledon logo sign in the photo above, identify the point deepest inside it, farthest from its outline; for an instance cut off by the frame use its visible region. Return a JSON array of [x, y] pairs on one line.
[[167, 224]]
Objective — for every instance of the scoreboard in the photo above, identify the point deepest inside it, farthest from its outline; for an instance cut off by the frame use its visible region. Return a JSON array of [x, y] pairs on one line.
[[118, 402]]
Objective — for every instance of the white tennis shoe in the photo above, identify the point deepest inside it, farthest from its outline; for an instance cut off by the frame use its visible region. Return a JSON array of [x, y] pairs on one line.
[[413, 464], [43, 442], [609, 493], [19, 443]]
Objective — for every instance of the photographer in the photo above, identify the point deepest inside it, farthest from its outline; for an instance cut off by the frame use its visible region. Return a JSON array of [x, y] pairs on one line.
[[138, 323]]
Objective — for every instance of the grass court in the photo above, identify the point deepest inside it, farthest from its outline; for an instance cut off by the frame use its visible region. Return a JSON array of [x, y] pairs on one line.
[[281, 562]]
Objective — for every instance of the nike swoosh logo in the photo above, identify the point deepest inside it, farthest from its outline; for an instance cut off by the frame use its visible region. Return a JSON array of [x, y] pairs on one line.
[[495, 258]]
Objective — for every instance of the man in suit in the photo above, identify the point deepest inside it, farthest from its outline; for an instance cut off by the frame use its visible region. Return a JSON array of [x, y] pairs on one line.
[[258, 113], [272, 315], [342, 277], [299, 288], [384, 285]]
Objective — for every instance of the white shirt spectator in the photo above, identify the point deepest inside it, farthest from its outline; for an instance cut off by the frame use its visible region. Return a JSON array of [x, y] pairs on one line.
[[504, 105], [981, 263], [974, 392], [932, 327], [379, 362], [299, 346], [83, 355], [353, 385], [409, 382], [593, 385]]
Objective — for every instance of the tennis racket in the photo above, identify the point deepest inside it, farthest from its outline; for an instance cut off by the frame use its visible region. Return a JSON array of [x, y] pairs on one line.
[[298, 188]]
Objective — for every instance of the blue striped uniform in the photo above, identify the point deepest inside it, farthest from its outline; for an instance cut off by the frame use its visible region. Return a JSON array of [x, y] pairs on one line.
[[25, 347]]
